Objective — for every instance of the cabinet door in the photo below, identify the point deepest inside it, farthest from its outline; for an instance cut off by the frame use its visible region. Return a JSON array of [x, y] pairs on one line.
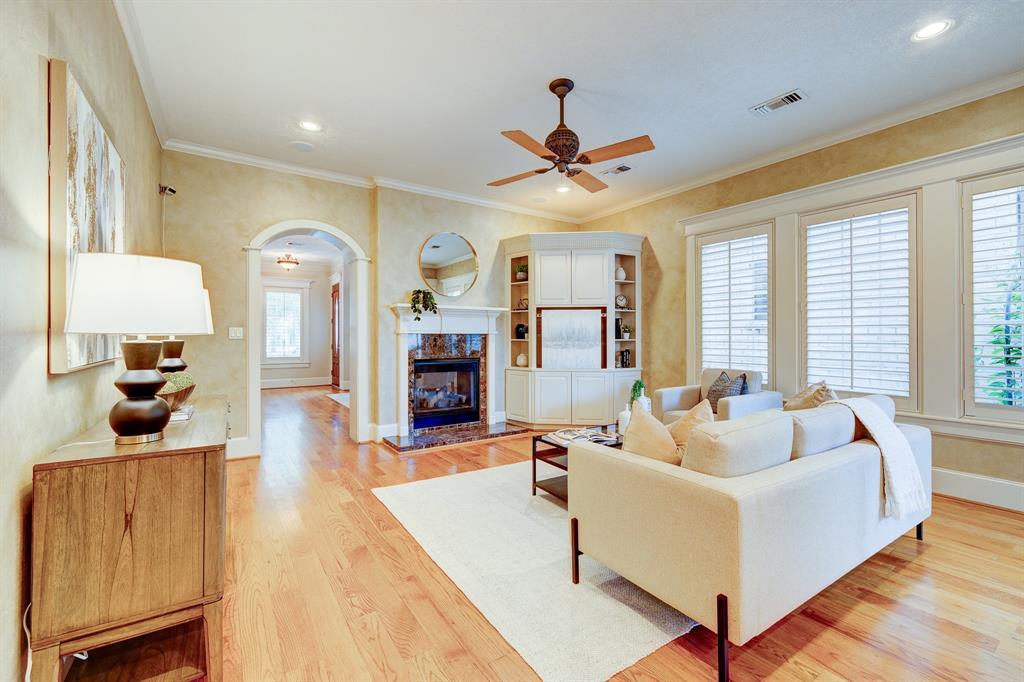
[[552, 398], [517, 396], [590, 277], [553, 275], [591, 398], [623, 387]]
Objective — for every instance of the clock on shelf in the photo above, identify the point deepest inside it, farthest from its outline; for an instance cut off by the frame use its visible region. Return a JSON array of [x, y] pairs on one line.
[[621, 301]]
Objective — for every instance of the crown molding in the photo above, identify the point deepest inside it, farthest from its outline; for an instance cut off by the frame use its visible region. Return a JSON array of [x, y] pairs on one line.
[[130, 28], [389, 183], [926, 108], [265, 163]]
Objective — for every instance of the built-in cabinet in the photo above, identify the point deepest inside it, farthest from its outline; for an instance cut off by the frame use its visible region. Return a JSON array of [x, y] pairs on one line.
[[567, 270]]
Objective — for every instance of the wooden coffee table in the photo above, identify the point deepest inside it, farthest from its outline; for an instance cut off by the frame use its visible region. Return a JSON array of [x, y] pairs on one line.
[[556, 455]]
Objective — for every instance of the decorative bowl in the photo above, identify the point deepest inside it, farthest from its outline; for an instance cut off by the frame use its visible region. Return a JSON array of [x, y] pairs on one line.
[[178, 398]]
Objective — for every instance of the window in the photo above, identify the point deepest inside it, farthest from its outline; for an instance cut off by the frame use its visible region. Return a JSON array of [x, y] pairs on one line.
[[733, 299], [285, 321], [994, 296], [858, 299]]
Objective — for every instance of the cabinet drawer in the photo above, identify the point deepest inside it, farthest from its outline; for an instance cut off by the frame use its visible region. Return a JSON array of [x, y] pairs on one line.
[[115, 540]]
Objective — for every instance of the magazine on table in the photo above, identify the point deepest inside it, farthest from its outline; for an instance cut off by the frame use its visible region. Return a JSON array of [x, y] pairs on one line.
[[565, 436]]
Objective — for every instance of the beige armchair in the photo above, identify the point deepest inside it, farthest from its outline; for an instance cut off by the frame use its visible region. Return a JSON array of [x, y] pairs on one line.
[[670, 403]]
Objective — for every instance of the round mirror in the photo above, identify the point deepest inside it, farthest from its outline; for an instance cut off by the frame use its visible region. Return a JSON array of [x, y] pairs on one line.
[[448, 264]]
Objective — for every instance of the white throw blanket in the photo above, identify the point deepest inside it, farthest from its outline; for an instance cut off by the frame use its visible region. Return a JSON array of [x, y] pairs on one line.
[[903, 487]]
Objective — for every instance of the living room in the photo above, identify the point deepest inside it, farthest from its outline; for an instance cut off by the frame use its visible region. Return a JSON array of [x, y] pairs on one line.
[[781, 278]]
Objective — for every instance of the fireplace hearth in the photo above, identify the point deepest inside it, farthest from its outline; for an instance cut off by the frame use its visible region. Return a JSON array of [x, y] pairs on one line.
[[445, 392]]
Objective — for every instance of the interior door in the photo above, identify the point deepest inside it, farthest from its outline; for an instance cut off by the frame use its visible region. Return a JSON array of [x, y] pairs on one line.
[[335, 333]]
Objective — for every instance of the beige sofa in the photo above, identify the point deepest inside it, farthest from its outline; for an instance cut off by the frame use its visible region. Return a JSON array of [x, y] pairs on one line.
[[668, 404], [738, 553]]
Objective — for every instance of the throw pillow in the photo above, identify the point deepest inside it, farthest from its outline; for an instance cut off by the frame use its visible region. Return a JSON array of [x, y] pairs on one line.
[[647, 436], [724, 387], [814, 395], [682, 428]]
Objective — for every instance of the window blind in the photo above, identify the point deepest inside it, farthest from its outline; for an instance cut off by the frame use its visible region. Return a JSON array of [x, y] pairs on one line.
[[857, 305], [283, 333], [997, 289], [734, 303]]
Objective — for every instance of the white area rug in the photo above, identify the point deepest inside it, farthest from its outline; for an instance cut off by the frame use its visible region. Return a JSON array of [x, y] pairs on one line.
[[339, 398], [509, 553]]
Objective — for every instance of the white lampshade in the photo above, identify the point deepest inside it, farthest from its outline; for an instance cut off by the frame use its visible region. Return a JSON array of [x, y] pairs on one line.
[[116, 293], [209, 312]]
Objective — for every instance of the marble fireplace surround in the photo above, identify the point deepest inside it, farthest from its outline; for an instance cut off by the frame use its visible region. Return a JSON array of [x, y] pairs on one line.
[[462, 329]]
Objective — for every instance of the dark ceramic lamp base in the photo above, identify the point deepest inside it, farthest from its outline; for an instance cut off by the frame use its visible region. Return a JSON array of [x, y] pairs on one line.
[[172, 361], [141, 416]]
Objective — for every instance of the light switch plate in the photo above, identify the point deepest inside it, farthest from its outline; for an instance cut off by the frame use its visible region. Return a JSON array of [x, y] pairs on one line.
[[235, 333]]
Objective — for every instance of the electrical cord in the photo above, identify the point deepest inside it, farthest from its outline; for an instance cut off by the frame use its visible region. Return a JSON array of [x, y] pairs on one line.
[[81, 655]]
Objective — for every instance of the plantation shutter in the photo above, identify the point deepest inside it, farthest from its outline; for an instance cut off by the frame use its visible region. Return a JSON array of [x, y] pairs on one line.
[[283, 324], [858, 298], [994, 241], [734, 301]]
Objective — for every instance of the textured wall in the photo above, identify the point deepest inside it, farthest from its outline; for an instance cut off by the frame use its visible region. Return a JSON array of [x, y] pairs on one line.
[[405, 222], [39, 412], [664, 260], [219, 208]]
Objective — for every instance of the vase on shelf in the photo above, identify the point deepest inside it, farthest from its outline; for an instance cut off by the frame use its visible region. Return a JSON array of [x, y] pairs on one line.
[[625, 336], [520, 276], [521, 360], [620, 273]]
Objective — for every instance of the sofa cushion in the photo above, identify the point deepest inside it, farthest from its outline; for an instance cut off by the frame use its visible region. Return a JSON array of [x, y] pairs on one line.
[[822, 428], [682, 428], [724, 387], [709, 374], [814, 395], [647, 436], [740, 446]]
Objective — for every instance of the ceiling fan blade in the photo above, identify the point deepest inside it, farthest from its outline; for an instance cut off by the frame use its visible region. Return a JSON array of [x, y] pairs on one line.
[[614, 151], [587, 181], [529, 144], [521, 176]]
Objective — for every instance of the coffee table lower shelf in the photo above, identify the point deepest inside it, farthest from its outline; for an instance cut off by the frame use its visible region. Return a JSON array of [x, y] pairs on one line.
[[557, 486]]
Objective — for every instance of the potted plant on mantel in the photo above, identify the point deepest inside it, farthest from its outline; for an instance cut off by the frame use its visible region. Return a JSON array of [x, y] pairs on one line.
[[421, 301]]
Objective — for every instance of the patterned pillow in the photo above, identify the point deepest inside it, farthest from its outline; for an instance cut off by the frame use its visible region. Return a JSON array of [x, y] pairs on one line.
[[724, 387], [814, 395]]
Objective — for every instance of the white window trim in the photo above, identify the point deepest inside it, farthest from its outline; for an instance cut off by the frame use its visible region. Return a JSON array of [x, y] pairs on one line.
[[911, 201], [766, 228], [967, 189], [290, 285]]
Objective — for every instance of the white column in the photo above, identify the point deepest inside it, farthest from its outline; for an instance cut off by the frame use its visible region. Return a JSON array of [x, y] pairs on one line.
[[254, 322], [359, 412]]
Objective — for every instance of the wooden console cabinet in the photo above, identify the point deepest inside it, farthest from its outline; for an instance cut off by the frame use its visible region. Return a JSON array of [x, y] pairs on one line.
[[128, 554]]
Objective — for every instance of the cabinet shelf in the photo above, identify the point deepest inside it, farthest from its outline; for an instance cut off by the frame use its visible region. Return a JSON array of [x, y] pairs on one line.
[[522, 281], [625, 281], [520, 310], [625, 310], [625, 340]]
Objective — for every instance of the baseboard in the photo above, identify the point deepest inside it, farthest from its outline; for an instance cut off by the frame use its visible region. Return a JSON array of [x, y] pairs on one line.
[[241, 447], [997, 492], [345, 385], [289, 383], [379, 432]]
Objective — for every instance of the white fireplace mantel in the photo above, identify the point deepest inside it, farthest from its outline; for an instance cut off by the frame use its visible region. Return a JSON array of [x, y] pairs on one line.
[[450, 319]]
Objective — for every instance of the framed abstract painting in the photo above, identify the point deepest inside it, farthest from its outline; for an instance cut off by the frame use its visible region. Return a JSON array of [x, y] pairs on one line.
[[87, 212]]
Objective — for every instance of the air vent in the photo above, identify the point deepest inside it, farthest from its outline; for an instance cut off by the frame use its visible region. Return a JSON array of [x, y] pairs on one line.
[[618, 170], [765, 108]]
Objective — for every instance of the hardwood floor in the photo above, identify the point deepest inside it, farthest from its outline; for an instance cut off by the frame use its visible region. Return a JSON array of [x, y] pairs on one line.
[[323, 584]]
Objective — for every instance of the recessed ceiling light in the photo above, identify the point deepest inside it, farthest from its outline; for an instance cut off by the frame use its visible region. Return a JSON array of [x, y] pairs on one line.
[[302, 146], [932, 30], [311, 126]]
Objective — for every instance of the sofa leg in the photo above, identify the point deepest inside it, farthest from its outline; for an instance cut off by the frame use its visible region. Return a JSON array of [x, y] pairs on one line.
[[920, 531], [723, 638], [574, 542]]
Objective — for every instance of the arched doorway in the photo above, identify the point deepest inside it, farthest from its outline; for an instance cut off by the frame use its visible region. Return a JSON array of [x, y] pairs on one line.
[[359, 415]]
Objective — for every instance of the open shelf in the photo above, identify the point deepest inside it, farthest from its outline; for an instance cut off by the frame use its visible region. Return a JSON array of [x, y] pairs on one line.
[[175, 654], [625, 340]]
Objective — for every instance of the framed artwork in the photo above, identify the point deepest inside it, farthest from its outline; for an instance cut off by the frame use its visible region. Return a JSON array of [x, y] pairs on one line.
[[572, 338], [87, 213]]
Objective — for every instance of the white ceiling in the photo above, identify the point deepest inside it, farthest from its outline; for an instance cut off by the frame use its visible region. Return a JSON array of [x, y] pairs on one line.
[[312, 252], [418, 91]]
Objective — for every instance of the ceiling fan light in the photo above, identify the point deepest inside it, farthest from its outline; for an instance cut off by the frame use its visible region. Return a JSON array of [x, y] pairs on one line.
[[563, 185], [288, 261]]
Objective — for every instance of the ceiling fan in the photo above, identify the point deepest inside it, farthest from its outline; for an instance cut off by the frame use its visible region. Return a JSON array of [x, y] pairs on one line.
[[562, 145]]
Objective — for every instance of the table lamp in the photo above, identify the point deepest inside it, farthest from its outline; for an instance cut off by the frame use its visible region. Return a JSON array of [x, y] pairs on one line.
[[114, 293], [172, 348]]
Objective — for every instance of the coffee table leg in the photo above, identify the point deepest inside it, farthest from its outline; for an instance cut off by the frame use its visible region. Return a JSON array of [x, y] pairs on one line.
[[534, 489]]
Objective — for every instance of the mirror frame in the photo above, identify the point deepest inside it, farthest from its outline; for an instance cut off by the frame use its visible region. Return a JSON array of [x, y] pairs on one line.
[[476, 263]]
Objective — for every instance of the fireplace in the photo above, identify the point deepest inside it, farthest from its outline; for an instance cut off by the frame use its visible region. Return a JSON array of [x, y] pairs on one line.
[[445, 392]]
